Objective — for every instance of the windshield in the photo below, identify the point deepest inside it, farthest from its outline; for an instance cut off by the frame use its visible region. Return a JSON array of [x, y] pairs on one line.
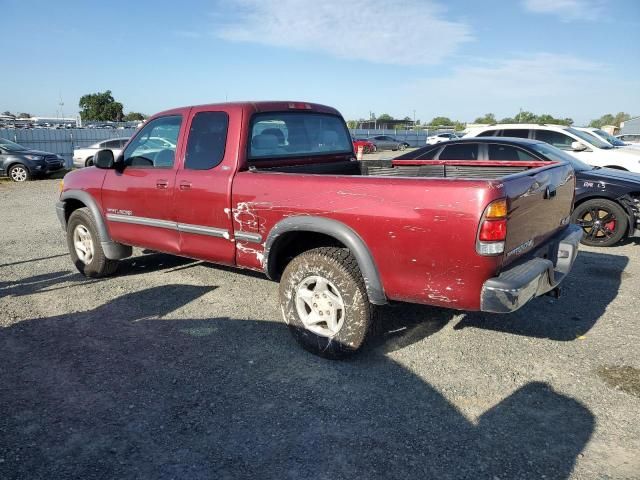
[[557, 155], [616, 142], [11, 146], [587, 137], [295, 134]]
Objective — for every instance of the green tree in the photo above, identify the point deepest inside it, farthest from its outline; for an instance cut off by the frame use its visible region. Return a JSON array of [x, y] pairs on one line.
[[352, 124], [385, 116], [100, 106], [7, 113], [486, 118], [24, 115], [134, 116], [609, 119], [441, 122]]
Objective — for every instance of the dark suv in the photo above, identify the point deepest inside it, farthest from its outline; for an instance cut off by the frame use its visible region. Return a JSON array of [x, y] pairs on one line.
[[20, 163]]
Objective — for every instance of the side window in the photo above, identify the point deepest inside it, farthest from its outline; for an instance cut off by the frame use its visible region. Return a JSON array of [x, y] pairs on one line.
[[112, 144], [460, 151], [429, 154], [507, 152], [155, 144], [557, 139], [515, 132], [207, 140], [123, 142], [488, 133]]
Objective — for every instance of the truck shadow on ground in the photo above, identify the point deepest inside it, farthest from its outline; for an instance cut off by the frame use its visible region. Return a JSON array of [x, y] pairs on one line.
[[591, 286], [51, 281], [129, 390]]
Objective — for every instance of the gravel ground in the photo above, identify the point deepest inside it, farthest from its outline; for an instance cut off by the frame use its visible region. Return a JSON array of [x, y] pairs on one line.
[[180, 369]]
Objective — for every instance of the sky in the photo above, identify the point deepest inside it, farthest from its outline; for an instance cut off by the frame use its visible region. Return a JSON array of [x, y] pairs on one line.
[[428, 58]]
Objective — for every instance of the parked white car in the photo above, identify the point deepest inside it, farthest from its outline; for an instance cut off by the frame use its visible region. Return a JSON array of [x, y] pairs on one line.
[[581, 145], [630, 138], [607, 137], [441, 137], [83, 157]]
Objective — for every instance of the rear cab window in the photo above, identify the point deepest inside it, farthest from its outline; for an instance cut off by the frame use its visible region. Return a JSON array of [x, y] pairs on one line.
[[297, 134], [509, 153]]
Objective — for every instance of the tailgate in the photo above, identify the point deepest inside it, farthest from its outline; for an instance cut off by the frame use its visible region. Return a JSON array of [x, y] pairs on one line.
[[540, 202]]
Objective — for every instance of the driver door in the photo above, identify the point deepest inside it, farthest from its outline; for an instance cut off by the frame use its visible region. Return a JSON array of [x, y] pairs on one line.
[[137, 197]]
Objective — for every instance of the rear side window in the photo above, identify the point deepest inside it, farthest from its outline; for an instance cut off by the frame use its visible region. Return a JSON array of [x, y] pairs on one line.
[[207, 140], [515, 132], [294, 134], [488, 133], [461, 151], [557, 139], [429, 154], [507, 152]]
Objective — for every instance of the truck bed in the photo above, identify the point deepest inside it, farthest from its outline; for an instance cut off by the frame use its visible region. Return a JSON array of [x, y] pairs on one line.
[[412, 168]]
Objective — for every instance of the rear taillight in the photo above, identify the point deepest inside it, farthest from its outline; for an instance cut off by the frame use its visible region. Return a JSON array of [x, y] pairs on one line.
[[493, 228]]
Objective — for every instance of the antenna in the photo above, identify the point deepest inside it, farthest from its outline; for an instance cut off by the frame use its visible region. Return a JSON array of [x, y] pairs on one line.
[[61, 105]]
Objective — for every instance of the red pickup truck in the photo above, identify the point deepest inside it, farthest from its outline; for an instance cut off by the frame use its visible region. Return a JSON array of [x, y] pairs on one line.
[[275, 187]]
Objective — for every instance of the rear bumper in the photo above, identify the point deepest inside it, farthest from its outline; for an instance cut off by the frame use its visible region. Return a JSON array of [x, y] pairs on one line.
[[534, 276]]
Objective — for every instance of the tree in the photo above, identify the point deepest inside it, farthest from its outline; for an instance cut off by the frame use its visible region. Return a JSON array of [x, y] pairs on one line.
[[7, 113], [441, 122], [134, 116], [352, 124], [487, 118], [609, 119], [24, 115], [100, 106], [385, 116]]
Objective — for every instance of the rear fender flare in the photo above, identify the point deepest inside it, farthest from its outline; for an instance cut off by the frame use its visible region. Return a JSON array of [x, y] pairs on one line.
[[341, 232]]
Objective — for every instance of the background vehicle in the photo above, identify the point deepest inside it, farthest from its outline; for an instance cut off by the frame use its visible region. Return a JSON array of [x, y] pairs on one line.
[[605, 137], [386, 142], [83, 157], [367, 146], [441, 137], [273, 187], [20, 163], [629, 138], [607, 201], [580, 145]]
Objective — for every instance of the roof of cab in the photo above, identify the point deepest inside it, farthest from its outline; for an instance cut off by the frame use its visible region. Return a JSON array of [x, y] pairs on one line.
[[258, 106]]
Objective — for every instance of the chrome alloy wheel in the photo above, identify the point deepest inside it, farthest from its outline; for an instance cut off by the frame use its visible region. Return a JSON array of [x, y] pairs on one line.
[[83, 244], [19, 173], [320, 306]]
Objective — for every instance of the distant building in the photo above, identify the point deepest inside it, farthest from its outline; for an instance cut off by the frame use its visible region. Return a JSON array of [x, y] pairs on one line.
[[631, 126]]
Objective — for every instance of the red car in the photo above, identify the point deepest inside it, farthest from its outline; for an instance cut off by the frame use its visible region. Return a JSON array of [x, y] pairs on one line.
[[274, 187], [367, 146]]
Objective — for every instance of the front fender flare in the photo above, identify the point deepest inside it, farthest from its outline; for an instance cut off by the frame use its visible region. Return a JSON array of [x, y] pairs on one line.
[[112, 250], [341, 232]]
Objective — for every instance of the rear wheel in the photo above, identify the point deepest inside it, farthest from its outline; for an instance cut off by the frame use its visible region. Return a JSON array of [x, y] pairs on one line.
[[603, 222], [324, 302], [84, 246], [19, 173]]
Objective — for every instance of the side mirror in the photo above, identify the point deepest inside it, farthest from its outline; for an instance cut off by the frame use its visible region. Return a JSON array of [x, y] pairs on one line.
[[578, 146], [104, 159]]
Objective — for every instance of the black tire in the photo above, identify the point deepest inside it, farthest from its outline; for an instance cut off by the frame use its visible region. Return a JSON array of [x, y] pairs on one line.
[[89, 162], [339, 267], [19, 173], [97, 265], [402, 146], [609, 228]]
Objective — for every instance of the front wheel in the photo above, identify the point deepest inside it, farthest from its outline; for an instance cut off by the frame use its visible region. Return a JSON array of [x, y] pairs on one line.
[[89, 162], [84, 246], [19, 173], [603, 222], [324, 302]]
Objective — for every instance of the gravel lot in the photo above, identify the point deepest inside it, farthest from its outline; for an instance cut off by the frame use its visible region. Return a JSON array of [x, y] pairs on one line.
[[180, 369]]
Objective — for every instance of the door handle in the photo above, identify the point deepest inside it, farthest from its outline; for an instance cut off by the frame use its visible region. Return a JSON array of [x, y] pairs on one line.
[[162, 183], [185, 185]]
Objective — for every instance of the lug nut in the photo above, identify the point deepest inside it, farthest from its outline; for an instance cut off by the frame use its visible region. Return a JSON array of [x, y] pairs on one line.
[[320, 312], [315, 305]]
